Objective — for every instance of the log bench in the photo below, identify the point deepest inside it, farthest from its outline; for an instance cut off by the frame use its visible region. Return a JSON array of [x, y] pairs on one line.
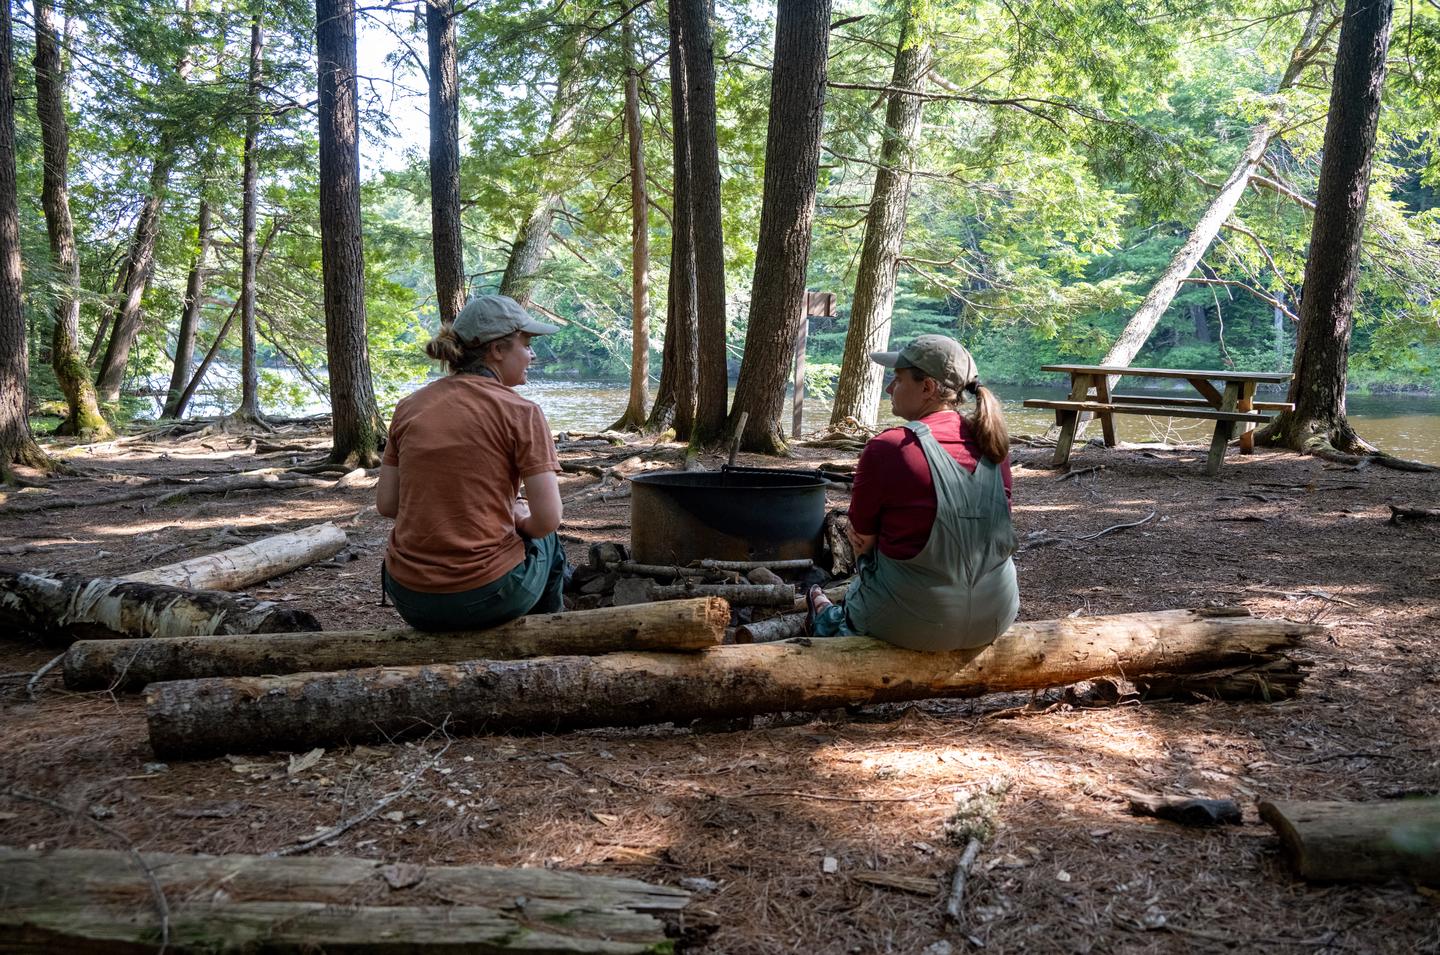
[[1090, 393]]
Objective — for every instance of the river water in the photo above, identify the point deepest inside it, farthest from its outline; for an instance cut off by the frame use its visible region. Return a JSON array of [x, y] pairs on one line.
[[1408, 426]]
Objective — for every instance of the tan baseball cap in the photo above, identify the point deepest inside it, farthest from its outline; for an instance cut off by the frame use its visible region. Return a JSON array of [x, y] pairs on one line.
[[488, 317], [939, 356]]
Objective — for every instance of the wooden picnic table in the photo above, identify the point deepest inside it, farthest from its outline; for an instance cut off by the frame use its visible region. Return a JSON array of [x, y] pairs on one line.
[[1226, 397]]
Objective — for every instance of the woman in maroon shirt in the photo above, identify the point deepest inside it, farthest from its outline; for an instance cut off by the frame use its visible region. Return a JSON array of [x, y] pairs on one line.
[[930, 513]]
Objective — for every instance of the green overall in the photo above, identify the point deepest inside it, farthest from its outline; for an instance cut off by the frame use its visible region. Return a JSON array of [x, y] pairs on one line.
[[960, 591]]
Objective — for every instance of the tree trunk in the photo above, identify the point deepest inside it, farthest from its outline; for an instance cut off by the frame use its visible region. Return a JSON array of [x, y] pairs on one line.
[[194, 718], [1162, 293], [84, 418], [17, 445], [358, 431], [446, 236], [189, 393], [706, 222], [1200, 322], [189, 319], [859, 391], [634, 417], [1359, 842], [99, 900], [792, 165], [1157, 300], [60, 608], [249, 339], [1327, 299], [533, 241], [674, 625], [239, 567], [675, 400]]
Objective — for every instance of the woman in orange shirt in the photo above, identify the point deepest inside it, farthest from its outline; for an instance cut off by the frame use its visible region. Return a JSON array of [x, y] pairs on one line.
[[466, 552]]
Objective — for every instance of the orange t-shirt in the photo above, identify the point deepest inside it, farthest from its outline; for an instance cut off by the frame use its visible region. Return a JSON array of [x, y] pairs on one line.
[[462, 444]]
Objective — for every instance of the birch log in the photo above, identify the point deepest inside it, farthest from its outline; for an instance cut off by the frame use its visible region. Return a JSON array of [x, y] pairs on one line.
[[250, 563], [212, 716], [92, 900], [60, 608], [131, 664]]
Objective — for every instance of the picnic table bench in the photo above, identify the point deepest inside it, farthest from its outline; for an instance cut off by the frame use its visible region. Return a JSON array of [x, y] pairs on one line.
[[1225, 397]]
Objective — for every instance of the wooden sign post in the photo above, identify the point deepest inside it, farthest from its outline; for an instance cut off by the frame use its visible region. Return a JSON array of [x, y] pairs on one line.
[[820, 304]]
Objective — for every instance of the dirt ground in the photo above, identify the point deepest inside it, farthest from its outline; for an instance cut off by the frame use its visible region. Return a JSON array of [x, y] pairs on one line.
[[787, 824]]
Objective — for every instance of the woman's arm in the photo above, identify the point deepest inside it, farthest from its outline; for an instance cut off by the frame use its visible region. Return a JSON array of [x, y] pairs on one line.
[[542, 493], [387, 492]]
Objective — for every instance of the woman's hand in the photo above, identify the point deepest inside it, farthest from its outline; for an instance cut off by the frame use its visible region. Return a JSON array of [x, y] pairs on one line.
[[860, 543], [521, 510]]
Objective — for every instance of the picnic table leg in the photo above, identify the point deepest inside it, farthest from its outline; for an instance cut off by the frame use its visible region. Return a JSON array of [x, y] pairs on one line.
[[1079, 391], [1223, 429], [1107, 420], [1247, 429]]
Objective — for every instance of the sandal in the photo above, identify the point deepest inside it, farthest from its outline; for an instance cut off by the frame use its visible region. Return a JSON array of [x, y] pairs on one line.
[[811, 597]]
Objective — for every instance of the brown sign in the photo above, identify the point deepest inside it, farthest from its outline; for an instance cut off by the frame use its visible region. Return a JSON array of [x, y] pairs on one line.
[[820, 304]]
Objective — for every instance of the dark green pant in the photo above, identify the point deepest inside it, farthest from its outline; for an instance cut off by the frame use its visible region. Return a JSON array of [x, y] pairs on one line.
[[532, 587]]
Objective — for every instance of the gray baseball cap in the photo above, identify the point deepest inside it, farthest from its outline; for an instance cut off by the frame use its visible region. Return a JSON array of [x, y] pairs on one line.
[[488, 317], [939, 356]]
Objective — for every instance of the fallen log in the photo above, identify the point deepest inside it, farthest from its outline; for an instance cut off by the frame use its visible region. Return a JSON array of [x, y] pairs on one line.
[[249, 563], [300, 711], [800, 563], [738, 595], [97, 900], [783, 627], [131, 664], [1359, 841], [1399, 513], [60, 608]]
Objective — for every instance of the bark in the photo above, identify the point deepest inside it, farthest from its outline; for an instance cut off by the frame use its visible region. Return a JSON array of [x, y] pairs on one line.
[[188, 394], [859, 391], [739, 595], [675, 399], [60, 608], [1359, 842], [17, 445], [633, 418], [131, 664], [189, 319], [193, 718], [98, 900], [249, 339], [446, 234], [1200, 321], [83, 417], [706, 222], [1162, 293], [358, 431], [792, 165], [533, 241], [251, 563], [1327, 299]]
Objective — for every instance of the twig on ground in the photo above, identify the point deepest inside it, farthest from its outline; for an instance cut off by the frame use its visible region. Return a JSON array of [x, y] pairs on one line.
[[1078, 472], [31, 686], [826, 798], [347, 824], [162, 905], [953, 904], [1119, 527]]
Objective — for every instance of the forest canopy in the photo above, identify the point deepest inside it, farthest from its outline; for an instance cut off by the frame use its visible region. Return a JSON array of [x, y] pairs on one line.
[[1060, 156]]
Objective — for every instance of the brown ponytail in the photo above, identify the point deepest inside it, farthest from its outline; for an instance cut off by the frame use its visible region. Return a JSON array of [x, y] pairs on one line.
[[989, 424]]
